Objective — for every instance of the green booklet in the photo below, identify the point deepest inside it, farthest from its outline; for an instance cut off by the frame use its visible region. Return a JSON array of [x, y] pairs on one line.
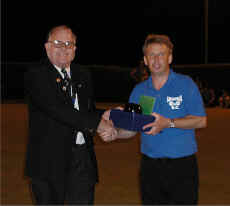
[[147, 104]]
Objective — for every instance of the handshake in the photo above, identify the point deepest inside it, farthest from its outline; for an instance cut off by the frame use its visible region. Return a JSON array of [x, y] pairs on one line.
[[106, 129], [115, 124]]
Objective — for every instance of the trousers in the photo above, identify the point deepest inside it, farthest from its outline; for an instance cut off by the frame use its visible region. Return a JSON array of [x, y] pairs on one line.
[[78, 187], [169, 181]]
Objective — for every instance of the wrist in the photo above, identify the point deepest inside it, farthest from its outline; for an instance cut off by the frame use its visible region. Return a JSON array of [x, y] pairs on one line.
[[171, 123]]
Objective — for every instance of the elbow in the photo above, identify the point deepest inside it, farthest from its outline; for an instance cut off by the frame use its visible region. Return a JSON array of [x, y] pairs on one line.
[[203, 122]]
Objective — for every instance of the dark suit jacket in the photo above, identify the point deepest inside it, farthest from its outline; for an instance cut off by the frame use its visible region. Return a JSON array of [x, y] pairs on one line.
[[53, 120]]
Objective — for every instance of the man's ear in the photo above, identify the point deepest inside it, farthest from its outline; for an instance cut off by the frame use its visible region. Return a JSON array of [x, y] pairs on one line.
[[46, 45], [170, 58], [145, 61]]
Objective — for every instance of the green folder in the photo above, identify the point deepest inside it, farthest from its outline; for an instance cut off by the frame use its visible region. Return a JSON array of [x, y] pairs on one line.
[[147, 104]]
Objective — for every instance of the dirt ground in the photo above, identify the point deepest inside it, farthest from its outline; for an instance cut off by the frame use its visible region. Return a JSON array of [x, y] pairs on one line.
[[118, 161]]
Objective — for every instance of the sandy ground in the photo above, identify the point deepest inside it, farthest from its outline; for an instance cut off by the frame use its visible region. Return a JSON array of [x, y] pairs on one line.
[[118, 161]]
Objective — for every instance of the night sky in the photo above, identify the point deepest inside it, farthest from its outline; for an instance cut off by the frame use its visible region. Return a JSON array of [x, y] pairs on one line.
[[112, 32]]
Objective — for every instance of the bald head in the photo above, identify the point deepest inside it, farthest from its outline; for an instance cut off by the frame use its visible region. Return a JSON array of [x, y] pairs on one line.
[[60, 28]]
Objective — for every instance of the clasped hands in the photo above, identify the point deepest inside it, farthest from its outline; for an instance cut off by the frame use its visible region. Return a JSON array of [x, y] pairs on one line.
[[108, 132], [106, 129]]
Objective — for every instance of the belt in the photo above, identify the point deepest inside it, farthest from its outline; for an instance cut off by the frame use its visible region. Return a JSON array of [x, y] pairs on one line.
[[167, 159]]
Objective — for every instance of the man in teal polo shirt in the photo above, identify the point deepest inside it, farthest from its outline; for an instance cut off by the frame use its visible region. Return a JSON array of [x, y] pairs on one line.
[[169, 171]]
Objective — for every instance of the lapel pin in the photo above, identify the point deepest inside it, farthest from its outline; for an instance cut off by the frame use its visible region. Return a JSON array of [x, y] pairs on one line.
[[58, 80]]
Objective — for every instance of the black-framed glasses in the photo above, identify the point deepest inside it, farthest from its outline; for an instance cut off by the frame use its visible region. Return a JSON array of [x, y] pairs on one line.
[[61, 44]]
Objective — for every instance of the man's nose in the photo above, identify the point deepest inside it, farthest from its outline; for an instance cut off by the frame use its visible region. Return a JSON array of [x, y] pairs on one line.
[[156, 58]]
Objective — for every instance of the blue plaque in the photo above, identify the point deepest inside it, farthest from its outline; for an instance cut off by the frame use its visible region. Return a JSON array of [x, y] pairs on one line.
[[130, 120]]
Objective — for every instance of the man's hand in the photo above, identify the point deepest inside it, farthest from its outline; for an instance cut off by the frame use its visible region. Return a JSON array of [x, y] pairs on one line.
[[106, 114], [159, 124], [106, 130]]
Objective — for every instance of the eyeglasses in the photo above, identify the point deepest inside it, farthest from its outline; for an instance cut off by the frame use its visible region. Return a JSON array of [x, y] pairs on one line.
[[60, 44]]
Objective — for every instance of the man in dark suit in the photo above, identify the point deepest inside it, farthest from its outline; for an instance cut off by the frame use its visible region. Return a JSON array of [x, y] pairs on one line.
[[61, 161]]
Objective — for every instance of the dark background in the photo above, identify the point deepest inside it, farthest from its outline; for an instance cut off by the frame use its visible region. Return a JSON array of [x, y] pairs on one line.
[[110, 37], [112, 32]]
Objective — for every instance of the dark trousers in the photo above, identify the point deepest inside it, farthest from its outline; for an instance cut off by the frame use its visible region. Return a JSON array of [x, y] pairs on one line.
[[78, 188], [169, 181]]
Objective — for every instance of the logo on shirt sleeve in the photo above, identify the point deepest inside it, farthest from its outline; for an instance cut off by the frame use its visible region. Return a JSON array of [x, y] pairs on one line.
[[174, 102]]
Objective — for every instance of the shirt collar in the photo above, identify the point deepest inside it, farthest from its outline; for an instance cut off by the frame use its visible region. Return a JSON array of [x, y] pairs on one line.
[[170, 77], [60, 72]]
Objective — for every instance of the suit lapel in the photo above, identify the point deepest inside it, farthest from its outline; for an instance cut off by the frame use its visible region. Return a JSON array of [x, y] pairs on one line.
[[56, 77], [79, 85]]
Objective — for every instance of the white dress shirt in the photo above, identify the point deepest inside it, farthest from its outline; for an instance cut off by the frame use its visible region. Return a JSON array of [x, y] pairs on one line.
[[80, 137]]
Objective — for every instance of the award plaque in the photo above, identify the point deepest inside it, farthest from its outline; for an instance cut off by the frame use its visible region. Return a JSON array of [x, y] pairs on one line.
[[129, 119]]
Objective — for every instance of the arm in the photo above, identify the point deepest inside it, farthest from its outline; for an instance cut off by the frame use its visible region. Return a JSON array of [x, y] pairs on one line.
[[124, 134], [116, 133], [190, 122], [46, 100], [187, 122]]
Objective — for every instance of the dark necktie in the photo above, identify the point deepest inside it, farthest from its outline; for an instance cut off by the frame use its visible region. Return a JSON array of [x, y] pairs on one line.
[[67, 82], [68, 85]]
